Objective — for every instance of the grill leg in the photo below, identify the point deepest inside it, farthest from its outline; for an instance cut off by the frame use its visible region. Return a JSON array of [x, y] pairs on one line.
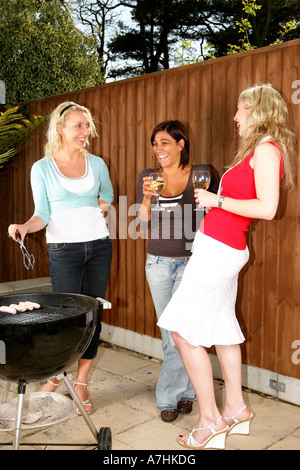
[[80, 406], [21, 393]]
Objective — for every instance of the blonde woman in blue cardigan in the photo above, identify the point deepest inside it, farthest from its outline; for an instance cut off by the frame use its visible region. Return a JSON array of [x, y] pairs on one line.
[[70, 190]]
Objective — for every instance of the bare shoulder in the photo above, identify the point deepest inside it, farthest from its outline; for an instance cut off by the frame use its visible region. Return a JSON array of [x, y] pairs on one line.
[[266, 154], [267, 149]]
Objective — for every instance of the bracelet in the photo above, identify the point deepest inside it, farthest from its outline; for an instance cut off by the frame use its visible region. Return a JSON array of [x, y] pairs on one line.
[[220, 201]]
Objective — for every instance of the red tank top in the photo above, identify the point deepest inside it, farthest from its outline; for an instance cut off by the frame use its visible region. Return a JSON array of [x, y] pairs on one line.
[[237, 183]]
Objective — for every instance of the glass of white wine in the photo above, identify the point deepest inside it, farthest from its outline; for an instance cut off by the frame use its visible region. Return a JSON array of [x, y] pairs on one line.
[[158, 181], [201, 180]]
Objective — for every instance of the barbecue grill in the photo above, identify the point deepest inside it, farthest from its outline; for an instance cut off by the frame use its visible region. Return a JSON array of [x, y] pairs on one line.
[[44, 342]]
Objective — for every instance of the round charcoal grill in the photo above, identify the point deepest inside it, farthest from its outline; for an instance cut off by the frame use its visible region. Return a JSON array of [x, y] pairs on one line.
[[44, 342]]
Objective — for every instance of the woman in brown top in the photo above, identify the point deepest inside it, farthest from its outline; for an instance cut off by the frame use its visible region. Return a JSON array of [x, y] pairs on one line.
[[169, 248]]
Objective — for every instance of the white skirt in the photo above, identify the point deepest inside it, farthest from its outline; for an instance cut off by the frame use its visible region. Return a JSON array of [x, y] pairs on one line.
[[202, 310]]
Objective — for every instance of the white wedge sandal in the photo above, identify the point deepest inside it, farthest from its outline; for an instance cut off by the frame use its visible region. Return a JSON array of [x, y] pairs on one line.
[[215, 441], [239, 427]]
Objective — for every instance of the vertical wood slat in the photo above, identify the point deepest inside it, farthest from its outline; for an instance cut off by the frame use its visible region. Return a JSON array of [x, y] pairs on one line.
[[132, 321], [272, 249], [204, 97], [288, 282]]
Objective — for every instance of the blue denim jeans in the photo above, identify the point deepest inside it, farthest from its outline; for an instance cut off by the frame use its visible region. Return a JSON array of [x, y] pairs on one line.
[[82, 268], [164, 275]]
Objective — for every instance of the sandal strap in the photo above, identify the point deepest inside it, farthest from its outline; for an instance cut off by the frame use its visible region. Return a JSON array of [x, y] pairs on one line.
[[210, 427], [191, 441], [79, 383], [52, 383], [86, 403], [234, 418]]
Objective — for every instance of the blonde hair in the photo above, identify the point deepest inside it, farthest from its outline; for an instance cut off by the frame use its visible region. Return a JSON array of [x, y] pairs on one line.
[[58, 118], [268, 117]]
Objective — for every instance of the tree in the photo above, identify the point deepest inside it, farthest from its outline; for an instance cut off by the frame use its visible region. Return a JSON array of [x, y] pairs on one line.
[[250, 24], [157, 25], [98, 17], [43, 52]]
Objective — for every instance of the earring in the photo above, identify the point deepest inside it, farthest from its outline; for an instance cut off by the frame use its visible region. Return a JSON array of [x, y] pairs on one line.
[[159, 168]]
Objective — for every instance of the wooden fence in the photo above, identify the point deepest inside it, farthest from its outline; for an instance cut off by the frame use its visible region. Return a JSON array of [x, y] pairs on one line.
[[204, 97]]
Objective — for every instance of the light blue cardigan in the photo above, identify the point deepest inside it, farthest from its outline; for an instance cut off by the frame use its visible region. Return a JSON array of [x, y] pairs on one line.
[[49, 196]]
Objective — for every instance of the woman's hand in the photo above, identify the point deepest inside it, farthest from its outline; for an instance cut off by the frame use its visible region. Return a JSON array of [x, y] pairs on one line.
[[147, 191], [144, 212], [17, 232], [206, 199], [266, 166]]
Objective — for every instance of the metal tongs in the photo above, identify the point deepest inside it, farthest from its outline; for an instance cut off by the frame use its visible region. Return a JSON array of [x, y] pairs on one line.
[[28, 259]]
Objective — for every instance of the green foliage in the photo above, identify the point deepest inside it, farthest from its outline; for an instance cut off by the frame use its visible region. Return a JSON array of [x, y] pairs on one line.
[[244, 26], [43, 52], [249, 24], [184, 56], [158, 26], [15, 129], [285, 29]]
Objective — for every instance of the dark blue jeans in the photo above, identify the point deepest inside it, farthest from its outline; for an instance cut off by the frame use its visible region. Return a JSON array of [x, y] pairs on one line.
[[82, 268]]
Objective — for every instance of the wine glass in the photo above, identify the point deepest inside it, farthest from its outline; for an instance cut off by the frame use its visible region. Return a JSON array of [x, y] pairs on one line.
[[158, 181], [201, 180]]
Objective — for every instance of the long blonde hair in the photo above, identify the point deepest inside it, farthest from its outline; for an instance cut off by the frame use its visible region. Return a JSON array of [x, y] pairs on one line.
[[268, 117], [57, 118]]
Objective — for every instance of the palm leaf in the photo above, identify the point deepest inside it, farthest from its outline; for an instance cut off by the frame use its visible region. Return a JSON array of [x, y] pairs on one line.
[[15, 130], [4, 157]]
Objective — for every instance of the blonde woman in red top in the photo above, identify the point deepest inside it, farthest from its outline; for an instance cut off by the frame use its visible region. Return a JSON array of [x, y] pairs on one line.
[[248, 190]]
